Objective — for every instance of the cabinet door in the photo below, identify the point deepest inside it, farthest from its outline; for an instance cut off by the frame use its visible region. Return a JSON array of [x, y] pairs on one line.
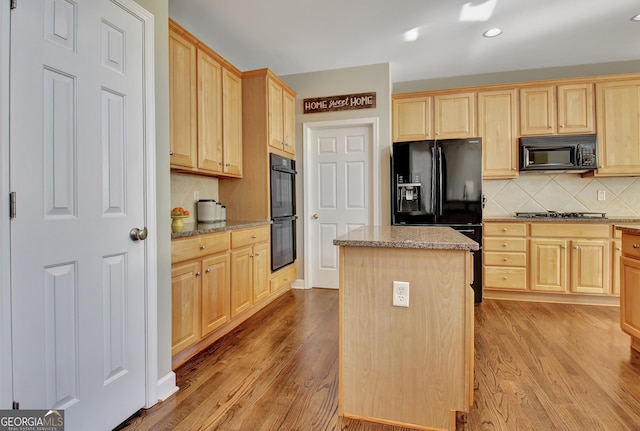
[[276, 123], [615, 258], [548, 261], [590, 266], [575, 109], [232, 123], [241, 280], [182, 101], [289, 123], [216, 289], [412, 119], [497, 126], [260, 271], [618, 110], [185, 297], [455, 115], [209, 113], [537, 111], [630, 296]]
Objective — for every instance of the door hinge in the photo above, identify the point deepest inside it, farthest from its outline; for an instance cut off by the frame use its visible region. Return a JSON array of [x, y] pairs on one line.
[[13, 3], [16, 405], [12, 205]]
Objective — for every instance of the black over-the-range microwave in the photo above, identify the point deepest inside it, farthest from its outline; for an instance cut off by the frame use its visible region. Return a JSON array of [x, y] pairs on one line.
[[571, 153]]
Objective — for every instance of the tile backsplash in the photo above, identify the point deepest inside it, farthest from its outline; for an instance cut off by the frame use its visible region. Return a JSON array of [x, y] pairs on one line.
[[182, 188], [562, 192]]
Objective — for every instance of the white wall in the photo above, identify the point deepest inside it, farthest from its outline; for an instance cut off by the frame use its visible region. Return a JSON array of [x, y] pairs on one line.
[[373, 78], [160, 10]]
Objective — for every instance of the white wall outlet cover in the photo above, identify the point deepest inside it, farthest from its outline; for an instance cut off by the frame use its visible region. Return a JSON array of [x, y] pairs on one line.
[[401, 294]]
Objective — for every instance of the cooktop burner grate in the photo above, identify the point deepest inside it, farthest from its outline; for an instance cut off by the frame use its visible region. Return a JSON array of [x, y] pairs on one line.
[[556, 214]]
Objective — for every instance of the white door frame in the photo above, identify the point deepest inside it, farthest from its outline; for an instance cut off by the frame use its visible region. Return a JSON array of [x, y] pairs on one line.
[[374, 163], [150, 244]]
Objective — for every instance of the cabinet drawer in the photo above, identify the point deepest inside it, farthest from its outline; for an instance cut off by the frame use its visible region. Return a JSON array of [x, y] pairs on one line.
[[505, 244], [631, 245], [243, 237], [505, 278], [283, 279], [491, 258], [198, 246], [570, 230], [505, 229]]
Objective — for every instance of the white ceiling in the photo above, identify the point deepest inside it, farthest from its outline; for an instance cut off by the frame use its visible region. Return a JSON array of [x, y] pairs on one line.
[[297, 36]]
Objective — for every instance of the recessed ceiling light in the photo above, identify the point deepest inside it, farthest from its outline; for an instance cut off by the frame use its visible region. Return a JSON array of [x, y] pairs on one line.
[[636, 18], [411, 35], [492, 32]]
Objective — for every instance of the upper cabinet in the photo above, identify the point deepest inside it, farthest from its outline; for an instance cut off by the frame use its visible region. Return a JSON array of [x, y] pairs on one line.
[[205, 108], [561, 109], [412, 119], [455, 115], [183, 103], [281, 107], [618, 114], [498, 128]]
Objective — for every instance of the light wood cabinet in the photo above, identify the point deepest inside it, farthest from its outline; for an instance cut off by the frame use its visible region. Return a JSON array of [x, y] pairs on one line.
[[283, 278], [616, 253], [412, 119], [200, 287], [498, 128], [630, 287], [281, 114], [618, 114], [570, 257], [183, 90], [249, 268], [561, 109], [504, 256], [205, 108], [185, 297], [455, 115]]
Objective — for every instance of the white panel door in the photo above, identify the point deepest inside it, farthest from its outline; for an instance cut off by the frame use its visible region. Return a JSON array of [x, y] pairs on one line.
[[340, 197], [77, 166]]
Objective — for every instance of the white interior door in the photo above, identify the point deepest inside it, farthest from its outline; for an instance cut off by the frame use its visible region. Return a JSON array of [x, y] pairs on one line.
[[78, 169], [339, 195]]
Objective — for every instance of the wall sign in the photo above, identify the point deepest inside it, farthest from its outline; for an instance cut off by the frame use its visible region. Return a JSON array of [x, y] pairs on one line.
[[345, 102]]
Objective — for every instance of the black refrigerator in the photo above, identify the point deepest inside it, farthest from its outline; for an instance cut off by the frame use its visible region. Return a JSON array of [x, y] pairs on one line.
[[439, 182]]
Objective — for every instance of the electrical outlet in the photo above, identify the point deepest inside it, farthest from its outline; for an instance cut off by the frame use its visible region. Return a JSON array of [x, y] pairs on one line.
[[602, 195], [196, 196], [401, 294]]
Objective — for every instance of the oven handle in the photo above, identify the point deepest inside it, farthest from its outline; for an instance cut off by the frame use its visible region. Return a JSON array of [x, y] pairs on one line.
[[283, 169]]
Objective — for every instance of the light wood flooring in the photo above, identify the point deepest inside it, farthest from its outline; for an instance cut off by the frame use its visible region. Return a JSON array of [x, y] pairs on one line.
[[537, 367]]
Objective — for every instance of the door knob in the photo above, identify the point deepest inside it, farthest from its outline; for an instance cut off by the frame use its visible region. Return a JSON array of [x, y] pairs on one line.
[[315, 216], [138, 234]]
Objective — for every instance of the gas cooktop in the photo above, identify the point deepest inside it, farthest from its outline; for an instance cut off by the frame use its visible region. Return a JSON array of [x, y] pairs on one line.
[[556, 214]]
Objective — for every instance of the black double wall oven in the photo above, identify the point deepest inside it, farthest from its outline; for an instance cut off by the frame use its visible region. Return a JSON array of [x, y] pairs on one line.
[[283, 211]]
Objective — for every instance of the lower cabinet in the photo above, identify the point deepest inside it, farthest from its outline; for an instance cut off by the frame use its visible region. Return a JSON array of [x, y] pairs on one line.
[[630, 287], [219, 280], [554, 258]]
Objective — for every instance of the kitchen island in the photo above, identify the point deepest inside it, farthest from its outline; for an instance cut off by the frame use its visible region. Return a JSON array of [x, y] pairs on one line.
[[407, 366], [630, 284]]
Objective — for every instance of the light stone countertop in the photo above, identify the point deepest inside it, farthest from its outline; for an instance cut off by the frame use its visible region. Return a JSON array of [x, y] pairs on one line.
[[423, 237], [192, 229]]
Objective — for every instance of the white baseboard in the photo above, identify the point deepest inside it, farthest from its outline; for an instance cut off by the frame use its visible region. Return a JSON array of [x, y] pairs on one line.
[[167, 386], [298, 284]]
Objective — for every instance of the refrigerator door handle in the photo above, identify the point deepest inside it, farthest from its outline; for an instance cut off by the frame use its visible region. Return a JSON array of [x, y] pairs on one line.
[[433, 180], [440, 180]]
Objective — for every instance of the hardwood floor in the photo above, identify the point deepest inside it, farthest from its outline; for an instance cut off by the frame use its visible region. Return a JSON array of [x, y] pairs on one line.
[[537, 367]]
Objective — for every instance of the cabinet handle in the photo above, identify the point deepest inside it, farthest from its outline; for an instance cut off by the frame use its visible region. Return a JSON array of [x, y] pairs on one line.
[[203, 246], [250, 255], [575, 247], [635, 245], [208, 270], [504, 245], [171, 153], [504, 229], [563, 247], [618, 248], [198, 274], [562, 126], [254, 237], [505, 259], [505, 278]]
